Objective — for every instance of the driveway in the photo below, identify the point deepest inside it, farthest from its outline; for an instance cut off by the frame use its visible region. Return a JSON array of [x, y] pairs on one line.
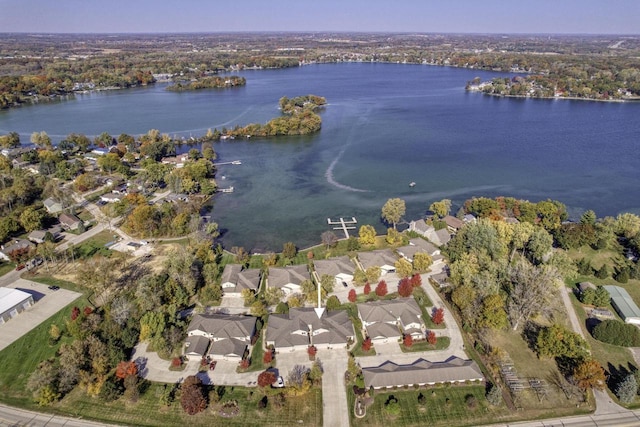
[[47, 303]]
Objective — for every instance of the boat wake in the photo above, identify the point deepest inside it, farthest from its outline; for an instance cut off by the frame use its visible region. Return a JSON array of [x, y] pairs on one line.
[[331, 180]]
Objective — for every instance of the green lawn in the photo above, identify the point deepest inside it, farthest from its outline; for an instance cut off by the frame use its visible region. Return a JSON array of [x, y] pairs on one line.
[[444, 406], [304, 410], [6, 267], [441, 344], [22, 357]]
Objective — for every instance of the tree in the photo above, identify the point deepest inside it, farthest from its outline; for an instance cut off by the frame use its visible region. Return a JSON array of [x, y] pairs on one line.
[[266, 378], [192, 399], [589, 374], [601, 297], [438, 316], [268, 357], [125, 369], [393, 210], [329, 239], [258, 309], [492, 314], [352, 295], [273, 296], [289, 250], [627, 389], [539, 245], [316, 372], [431, 338], [41, 140], [533, 289], [381, 289], [422, 262], [366, 344], [441, 208], [407, 340], [416, 281], [393, 237], [367, 235], [557, 341], [110, 162], [602, 272], [617, 333], [372, 274], [403, 268], [367, 288], [404, 288], [31, 219], [333, 303]]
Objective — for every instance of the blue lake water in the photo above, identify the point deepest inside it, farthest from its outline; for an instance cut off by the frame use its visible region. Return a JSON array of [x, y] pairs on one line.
[[386, 125]]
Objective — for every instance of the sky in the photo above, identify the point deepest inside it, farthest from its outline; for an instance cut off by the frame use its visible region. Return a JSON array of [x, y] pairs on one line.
[[429, 16]]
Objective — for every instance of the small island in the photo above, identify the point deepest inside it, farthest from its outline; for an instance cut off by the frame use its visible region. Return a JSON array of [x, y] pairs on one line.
[[208, 83]]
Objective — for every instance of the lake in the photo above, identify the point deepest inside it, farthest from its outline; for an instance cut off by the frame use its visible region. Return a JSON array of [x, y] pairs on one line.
[[385, 125]]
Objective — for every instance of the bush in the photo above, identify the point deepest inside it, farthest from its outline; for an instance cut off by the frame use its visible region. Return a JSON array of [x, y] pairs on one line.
[[381, 289], [366, 344], [494, 395], [352, 295], [617, 333], [367, 288], [471, 401], [603, 272], [266, 378]]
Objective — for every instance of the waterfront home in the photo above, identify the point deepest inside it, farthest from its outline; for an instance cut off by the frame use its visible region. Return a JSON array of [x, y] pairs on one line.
[[301, 328], [289, 279], [419, 245], [235, 278], [382, 258], [453, 224], [229, 335], [340, 268], [388, 320], [437, 237], [421, 373]]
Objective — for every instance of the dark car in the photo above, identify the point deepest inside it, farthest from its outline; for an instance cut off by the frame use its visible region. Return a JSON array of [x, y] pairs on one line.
[[54, 287]]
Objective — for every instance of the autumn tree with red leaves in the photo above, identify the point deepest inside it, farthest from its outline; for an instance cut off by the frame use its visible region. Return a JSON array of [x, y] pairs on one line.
[[431, 338], [404, 288], [367, 288], [268, 357], [192, 399], [352, 295], [438, 316], [408, 341], [266, 378], [126, 369], [416, 281], [381, 289], [366, 344], [75, 312]]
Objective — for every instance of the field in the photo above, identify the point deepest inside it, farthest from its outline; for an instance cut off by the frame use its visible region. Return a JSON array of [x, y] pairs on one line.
[[443, 406]]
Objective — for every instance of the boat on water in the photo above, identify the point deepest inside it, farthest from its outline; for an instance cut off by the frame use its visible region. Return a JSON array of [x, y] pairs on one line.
[[412, 184]]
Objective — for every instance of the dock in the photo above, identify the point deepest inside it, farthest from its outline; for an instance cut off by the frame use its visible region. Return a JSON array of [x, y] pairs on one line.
[[344, 225]]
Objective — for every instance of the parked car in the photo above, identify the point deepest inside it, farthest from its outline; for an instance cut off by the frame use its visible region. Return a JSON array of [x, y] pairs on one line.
[[54, 287], [20, 267], [279, 383]]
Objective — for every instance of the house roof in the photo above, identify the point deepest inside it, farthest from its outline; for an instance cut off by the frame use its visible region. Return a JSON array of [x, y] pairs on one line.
[[438, 237], [421, 372], [405, 309], [383, 330], [421, 226], [428, 247], [17, 245], [334, 266], [453, 222], [377, 258], [280, 277], [197, 345], [231, 347], [286, 330], [623, 302], [10, 297], [52, 205], [68, 219], [242, 279], [223, 325]]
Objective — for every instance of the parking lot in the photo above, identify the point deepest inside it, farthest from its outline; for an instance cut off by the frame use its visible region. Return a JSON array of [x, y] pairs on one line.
[[47, 303]]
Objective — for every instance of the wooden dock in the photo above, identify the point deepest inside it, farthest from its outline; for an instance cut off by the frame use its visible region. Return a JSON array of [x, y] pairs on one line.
[[344, 225]]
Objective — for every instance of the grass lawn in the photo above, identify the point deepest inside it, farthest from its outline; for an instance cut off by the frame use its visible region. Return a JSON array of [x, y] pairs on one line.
[[6, 267], [444, 406], [441, 344], [304, 410], [43, 277], [22, 357]]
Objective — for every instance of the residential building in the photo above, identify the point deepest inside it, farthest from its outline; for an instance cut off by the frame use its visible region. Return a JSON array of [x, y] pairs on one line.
[[388, 320], [16, 246], [340, 268], [383, 258], [235, 278], [419, 245], [12, 302], [53, 206], [422, 372], [301, 328], [289, 279], [228, 335], [111, 197], [453, 224], [69, 221]]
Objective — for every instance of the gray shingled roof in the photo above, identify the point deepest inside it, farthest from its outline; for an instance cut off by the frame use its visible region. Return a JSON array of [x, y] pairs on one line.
[[197, 345], [422, 371], [242, 279], [377, 258], [390, 310], [228, 348], [296, 274], [284, 330], [223, 325], [334, 266]]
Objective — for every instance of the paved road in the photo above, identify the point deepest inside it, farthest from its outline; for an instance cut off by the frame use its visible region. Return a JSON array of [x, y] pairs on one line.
[[335, 408], [13, 417], [628, 418]]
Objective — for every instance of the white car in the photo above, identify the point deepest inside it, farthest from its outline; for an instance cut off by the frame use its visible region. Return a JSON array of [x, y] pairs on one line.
[[279, 383]]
